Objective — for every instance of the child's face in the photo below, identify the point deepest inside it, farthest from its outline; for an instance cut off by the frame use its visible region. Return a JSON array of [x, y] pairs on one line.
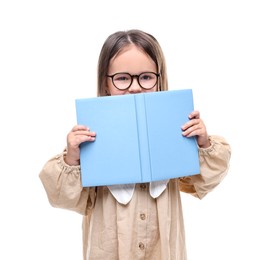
[[133, 61]]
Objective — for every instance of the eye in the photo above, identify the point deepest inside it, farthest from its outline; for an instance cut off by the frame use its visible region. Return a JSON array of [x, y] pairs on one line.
[[147, 76], [121, 77]]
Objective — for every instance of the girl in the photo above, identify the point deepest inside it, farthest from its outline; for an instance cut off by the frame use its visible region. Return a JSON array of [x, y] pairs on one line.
[[133, 221]]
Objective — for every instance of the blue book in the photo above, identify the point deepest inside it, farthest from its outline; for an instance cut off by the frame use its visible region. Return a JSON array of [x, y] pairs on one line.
[[139, 138]]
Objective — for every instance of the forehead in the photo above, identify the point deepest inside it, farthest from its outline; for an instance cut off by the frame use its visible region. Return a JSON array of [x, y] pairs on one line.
[[131, 59]]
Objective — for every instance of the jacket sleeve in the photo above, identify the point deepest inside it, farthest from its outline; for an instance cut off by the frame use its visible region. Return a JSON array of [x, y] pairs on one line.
[[214, 165], [62, 184]]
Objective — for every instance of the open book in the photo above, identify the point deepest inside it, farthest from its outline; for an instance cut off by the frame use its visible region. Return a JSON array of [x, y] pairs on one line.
[[139, 138]]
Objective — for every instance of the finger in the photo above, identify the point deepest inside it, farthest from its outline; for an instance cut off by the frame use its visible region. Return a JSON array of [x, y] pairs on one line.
[[192, 132], [195, 128], [75, 141], [190, 124], [194, 114], [80, 127], [84, 132]]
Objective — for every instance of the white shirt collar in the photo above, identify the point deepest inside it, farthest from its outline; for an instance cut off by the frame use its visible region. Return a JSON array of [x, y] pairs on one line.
[[123, 193]]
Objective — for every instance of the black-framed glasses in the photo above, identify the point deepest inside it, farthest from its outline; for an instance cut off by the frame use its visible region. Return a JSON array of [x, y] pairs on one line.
[[124, 80]]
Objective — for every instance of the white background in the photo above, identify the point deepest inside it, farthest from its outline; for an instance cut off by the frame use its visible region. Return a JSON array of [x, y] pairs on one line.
[[48, 57]]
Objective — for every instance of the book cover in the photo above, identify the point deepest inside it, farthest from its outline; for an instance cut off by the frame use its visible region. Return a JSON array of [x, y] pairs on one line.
[[139, 138]]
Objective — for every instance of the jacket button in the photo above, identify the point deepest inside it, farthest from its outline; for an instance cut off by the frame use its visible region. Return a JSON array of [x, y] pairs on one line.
[[142, 216], [141, 246], [143, 186]]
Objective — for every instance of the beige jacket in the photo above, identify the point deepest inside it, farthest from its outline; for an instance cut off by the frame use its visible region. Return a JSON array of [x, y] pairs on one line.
[[145, 228]]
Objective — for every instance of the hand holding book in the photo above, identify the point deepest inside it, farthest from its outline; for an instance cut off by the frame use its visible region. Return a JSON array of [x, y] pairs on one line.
[[196, 127]]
